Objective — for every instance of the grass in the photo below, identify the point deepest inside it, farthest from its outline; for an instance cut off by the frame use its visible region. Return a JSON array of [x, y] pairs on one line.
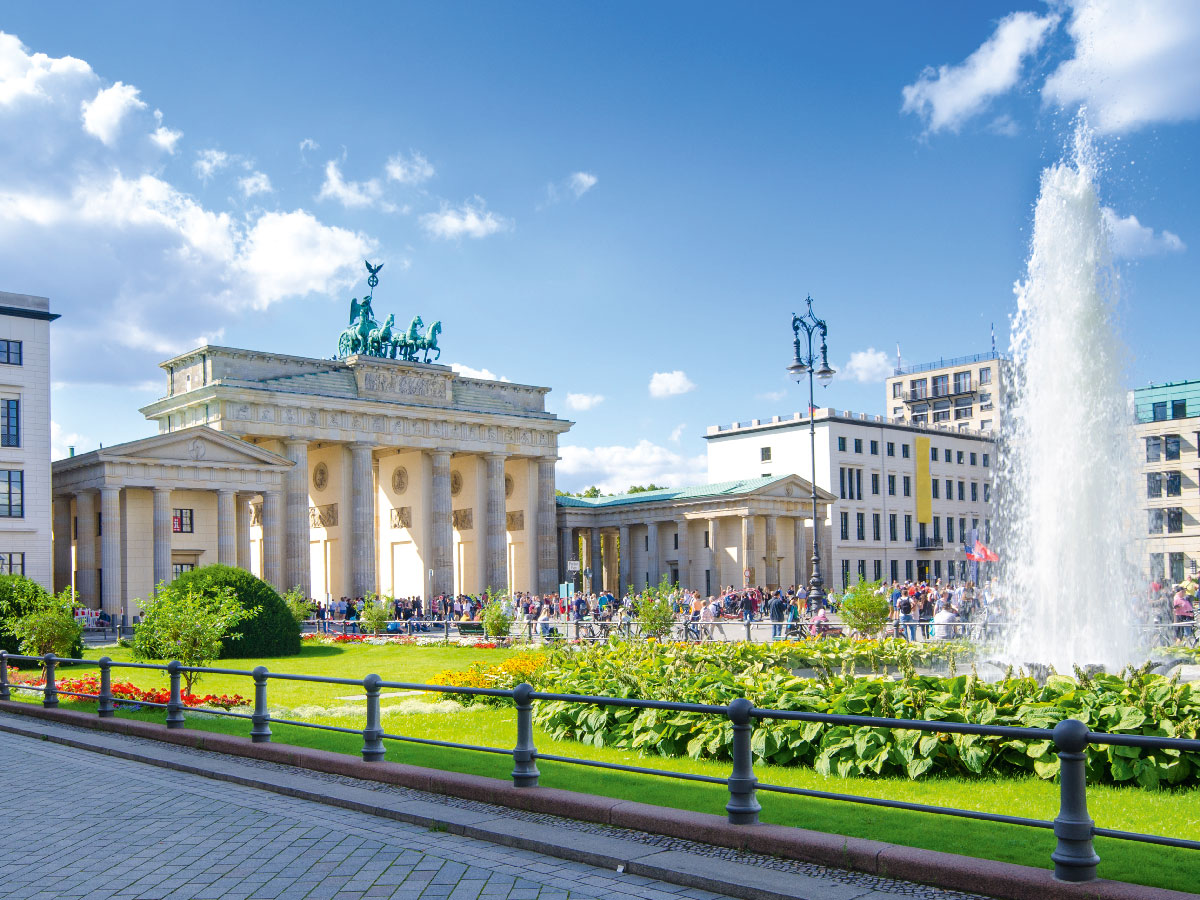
[[1172, 812]]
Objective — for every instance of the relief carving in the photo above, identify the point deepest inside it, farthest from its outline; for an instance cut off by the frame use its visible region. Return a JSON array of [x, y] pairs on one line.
[[402, 517], [256, 514], [323, 516], [242, 411], [464, 519], [405, 384], [290, 417], [266, 414], [515, 521], [400, 480]]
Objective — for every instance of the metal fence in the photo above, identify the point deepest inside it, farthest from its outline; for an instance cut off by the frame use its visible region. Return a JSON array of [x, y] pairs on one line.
[[1074, 857]]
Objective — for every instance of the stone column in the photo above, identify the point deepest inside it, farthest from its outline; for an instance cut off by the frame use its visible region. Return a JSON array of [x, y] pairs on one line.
[[564, 552], [272, 539], [714, 557], [495, 525], [163, 532], [595, 560], [226, 528], [441, 526], [547, 519], [652, 561], [684, 559], [772, 552], [62, 543], [362, 520], [296, 559], [798, 552], [85, 549], [242, 520], [625, 559], [747, 554], [110, 550]]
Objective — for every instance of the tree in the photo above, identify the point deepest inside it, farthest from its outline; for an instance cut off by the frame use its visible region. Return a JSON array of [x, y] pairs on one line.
[[496, 622], [188, 622], [20, 596], [298, 605], [864, 609], [655, 611], [374, 615], [48, 626], [590, 493], [639, 489]]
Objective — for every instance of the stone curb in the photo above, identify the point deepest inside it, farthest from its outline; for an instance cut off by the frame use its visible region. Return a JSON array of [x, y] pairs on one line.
[[1007, 881]]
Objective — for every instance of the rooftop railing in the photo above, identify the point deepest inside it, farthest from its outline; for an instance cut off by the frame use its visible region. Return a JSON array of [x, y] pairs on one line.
[[1074, 857], [947, 363]]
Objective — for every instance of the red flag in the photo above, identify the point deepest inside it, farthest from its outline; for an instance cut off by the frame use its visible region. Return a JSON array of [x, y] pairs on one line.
[[983, 554]]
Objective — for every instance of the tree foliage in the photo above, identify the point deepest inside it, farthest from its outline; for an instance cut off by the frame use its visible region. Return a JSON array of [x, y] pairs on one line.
[[375, 614], [655, 611], [298, 605], [188, 622], [48, 624], [864, 609], [641, 489], [496, 622], [20, 596], [271, 631]]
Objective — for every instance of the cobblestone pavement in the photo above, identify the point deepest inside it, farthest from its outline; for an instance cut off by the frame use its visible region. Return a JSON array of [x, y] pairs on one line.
[[80, 825]]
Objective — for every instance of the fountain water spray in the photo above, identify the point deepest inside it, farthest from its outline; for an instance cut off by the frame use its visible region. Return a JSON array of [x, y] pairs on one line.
[[1065, 482]]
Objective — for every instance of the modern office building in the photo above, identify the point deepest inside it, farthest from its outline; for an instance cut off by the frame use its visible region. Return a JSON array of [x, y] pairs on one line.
[[25, 436], [966, 393], [1167, 423], [908, 495]]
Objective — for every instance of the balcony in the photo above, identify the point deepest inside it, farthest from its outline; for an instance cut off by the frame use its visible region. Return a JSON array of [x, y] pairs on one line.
[[929, 543], [911, 397]]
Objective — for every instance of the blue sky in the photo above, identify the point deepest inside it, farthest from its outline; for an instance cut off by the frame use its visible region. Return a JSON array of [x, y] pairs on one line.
[[585, 195]]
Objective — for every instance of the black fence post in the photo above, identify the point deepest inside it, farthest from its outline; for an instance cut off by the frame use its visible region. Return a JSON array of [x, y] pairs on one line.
[[4, 692], [50, 692], [742, 807], [104, 707], [525, 772], [175, 701], [373, 749], [260, 728], [1074, 858]]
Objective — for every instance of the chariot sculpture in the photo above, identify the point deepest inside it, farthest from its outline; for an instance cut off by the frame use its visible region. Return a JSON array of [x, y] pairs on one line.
[[366, 337]]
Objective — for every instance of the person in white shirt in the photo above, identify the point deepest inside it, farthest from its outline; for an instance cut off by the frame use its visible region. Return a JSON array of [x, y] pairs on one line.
[[943, 623]]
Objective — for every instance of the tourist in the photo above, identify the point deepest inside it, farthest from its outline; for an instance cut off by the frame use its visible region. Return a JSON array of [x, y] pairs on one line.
[[944, 619], [777, 609], [904, 615]]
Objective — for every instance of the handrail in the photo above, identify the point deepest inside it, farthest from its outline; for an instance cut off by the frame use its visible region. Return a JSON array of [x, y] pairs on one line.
[[1074, 856]]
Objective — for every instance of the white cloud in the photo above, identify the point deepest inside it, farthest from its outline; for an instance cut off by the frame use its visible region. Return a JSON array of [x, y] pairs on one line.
[[613, 469], [416, 169], [677, 433], [584, 402], [138, 267], [309, 144], [163, 136], [351, 194], [472, 219], [1004, 125], [1130, 239], [484, 374], [61, 441], [581, 182], [669, 384], [868, 366], [1135, 63], [104, 113], [255, 183], [948, 96], [209, 162]]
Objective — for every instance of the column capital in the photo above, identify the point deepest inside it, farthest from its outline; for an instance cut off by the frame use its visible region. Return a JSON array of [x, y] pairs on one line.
[[295, 441], [503, 457], [363, 445]]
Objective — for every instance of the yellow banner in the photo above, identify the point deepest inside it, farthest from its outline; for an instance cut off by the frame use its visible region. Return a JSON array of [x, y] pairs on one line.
[[924, 492]]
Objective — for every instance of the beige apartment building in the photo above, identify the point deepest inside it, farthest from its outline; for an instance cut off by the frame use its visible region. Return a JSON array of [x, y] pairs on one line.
[[966, 393]]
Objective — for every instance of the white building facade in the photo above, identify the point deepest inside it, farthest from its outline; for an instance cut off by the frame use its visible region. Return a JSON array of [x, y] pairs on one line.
[[966, 393], [908, 497], [25, 436]]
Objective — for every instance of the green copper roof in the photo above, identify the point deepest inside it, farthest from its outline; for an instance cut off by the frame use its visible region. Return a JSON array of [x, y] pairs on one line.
[[720, 489]]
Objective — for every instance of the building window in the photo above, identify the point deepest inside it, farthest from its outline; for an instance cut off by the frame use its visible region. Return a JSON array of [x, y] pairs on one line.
[[182, 521], [1155, 521], [961, 456], [908, 528], [985, 375], [962, 530], [858, 483], [10, 355], [908, 570], [1178, 408], [985, 425], [178, 569], [891, 448], [919, 419], [1174, 519], [1153, 449], [845, 526], [974, 459], [904, 451], [947, 455], [845, 574], [12, 563], [907, 486], [874, 448], [764, 454], [878, 569], [898, 411], [676, 547], [985, 402], [1171, 445], [895, 569], [892, 527], [941, 414], [860, 523], [933, 454], [935, 487], [842, 444], [962, 382], [706, 539], [1176, 567], [937, 568], [974, 491], [12, 494], [1159, 411], [876, 530], [1174, 483], [962, 491], [986, 460], [10, 423], [949, 530], [892, 485], [858, 445], [918, 389], [862, 570], [941, 385], [874, 482], [897, 388], [647, 539], [987, 492], [937, 529]]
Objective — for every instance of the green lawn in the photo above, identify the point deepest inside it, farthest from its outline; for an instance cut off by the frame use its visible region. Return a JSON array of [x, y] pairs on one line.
[[1175, 813]]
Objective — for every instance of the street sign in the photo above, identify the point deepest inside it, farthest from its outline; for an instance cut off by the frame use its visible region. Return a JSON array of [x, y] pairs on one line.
[[573, 565]]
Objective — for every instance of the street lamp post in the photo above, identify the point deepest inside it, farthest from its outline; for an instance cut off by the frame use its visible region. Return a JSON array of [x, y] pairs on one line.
[[807, 364]]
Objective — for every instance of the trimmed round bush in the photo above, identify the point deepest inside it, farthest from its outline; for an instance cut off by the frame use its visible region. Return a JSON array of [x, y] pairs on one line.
[[274, 631], [18, 596]]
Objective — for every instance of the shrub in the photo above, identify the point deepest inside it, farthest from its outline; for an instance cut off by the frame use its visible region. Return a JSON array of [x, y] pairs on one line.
[[298, 605], [374, 615], [495, 622], [19, 596], [654, 610], [49, 626], [864, 609], [273, 631]]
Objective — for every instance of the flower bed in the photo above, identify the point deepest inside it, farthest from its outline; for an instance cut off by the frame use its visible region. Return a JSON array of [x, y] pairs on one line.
[[131, 693], [504, 676]]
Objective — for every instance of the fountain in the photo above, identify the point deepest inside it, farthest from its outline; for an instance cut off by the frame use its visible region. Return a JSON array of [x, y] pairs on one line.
[[1065, 481]]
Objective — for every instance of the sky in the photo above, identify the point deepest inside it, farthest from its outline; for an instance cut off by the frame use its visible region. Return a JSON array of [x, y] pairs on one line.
[[624, 202]]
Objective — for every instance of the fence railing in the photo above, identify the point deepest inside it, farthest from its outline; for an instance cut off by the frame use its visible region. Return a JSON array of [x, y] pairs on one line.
[[1074, 857]]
